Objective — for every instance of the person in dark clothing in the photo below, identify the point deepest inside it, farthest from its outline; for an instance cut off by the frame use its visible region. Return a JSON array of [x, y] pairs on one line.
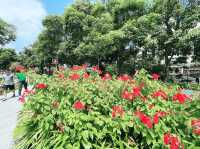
[[197, 80], [102, 67]]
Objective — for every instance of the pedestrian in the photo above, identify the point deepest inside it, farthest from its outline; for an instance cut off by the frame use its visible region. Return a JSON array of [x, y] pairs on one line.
[[22, 80], [8, 79]]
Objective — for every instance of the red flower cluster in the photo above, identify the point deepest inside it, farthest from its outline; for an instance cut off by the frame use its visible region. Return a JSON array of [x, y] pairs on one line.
[[136, 92], [76, 68], [19, 68], [117, 110], [86, 75], [146, 120], [96, 69], [78, 105], [41, 86], [173, 141], [127, 95], [159, 93], [180, 97], [24, 94], [157, 116], [124, 77], [22, 99], [107, 76], [155, 76], [74, 76], [196, 126], [28, 92]]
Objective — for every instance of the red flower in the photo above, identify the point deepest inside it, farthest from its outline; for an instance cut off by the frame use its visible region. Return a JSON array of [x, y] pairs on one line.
[[74, 76], [174, 143], [19, 68], [78, 105], [196, 131], [61, 75], [22, 99], [76, 68], [156, 119], [124, 77], [28, 92], [117, 110], [41, 86], [136, 91], [167, 138], [144, 119], [157, 116], [107, 76], [196, 126], [195, 123], [159, 93], [86, 75], [155, 76], [127, 95], [96, 69], [180, 97]]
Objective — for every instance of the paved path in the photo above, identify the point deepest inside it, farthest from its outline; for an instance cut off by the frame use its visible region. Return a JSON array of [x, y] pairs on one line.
[[8, 118]]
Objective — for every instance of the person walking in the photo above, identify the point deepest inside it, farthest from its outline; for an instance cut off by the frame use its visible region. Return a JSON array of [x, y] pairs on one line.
[[8, 79], [22, 80]]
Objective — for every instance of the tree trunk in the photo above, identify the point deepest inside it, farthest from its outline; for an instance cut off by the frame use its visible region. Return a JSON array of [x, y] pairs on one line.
[[166, 66]]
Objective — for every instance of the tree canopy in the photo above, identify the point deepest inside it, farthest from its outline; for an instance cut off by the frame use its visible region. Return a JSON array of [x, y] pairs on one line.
[[7, 56], [134, 33], [7, 33]]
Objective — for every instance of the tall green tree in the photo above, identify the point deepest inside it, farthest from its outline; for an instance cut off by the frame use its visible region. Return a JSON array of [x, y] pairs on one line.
[[7, 33], [49, 40], [127, 32]]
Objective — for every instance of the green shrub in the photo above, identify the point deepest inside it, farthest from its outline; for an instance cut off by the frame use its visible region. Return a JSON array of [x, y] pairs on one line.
[[71, 110]]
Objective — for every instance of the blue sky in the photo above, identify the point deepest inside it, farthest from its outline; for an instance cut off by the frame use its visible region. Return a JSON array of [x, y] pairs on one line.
[[56, 6], [27, 15]]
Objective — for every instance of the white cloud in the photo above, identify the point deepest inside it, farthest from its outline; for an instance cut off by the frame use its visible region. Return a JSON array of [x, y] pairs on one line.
[[26, 16]]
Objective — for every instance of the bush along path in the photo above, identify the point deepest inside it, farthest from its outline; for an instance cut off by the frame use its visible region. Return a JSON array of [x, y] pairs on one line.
[[76, 109]]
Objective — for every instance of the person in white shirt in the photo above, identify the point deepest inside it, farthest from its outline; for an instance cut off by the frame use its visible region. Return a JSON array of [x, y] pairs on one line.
[[8, 79]]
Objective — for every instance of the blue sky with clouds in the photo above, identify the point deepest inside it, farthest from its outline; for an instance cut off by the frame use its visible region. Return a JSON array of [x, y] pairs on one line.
[[27, 15]]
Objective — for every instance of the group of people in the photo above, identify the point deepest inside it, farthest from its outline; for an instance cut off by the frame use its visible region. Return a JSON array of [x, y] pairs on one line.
[[9, 81]]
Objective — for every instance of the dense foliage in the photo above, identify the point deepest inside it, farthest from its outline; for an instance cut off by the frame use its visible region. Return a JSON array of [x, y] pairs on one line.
[[7, 33], [75, 109], [7, 56], [130, 33]]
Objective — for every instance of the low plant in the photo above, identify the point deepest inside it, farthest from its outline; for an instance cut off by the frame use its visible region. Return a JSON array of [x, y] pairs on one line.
[[74, 109]]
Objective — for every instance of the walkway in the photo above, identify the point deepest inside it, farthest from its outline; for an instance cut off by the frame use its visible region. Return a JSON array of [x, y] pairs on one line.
[[8, 118]]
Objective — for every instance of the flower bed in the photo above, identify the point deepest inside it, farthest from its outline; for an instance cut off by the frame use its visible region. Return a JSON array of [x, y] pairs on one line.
[[74, 109]]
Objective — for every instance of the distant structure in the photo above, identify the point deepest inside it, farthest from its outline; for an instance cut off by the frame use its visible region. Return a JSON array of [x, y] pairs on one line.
[[186, 2]]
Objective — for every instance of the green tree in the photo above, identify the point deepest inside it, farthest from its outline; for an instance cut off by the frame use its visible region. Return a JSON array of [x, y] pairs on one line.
[[7, 56], [7, 33], [131, 33], [48, 43]]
